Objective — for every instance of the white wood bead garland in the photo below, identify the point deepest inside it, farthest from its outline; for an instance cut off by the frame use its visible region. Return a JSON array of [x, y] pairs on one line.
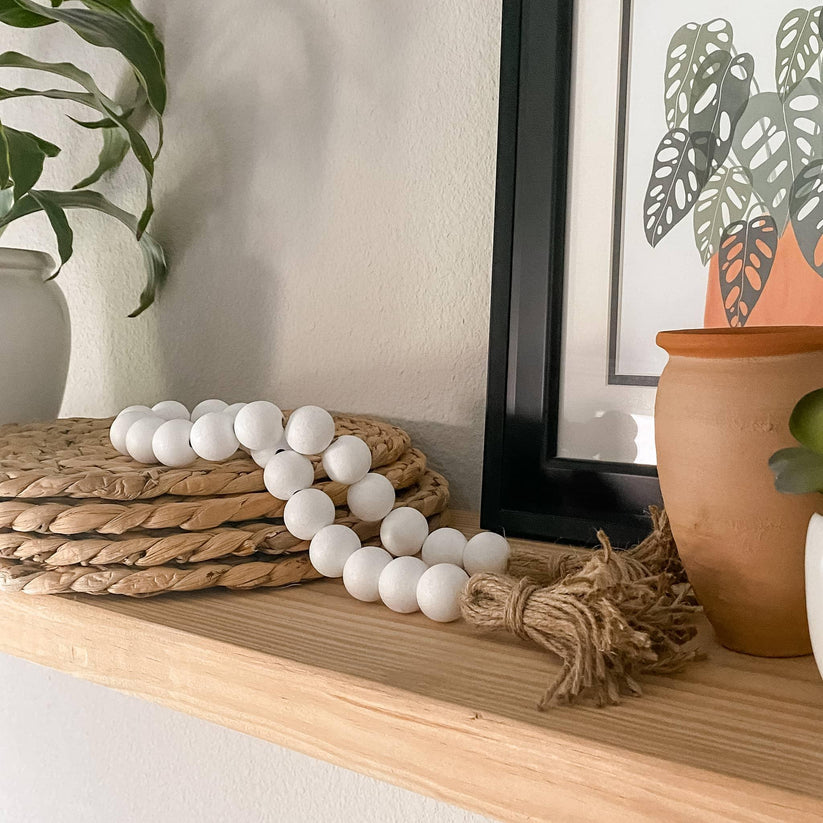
[[414, 570]]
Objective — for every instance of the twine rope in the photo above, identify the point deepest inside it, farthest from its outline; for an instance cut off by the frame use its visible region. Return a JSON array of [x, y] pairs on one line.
[[610, 616]]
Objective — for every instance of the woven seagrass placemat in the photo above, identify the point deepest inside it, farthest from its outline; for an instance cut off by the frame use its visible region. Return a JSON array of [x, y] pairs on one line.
[[79, 516], [143, 549], [232, 573], [74, 458]]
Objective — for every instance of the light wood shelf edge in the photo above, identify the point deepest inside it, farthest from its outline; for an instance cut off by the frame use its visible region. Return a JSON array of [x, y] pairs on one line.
[[490, 763]]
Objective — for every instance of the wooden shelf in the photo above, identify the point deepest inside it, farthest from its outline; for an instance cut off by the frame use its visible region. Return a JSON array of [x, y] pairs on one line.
[[444, 712]]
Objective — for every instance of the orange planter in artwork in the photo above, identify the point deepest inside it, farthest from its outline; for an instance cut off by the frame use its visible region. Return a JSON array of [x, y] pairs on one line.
[[792, 296]]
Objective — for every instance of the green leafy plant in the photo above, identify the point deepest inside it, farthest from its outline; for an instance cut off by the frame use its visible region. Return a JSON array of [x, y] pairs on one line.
[[749, 162], [799, 470], [112, 24]]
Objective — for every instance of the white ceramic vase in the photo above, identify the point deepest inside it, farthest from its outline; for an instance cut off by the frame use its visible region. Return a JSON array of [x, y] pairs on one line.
[[814, 586], [35, 338]]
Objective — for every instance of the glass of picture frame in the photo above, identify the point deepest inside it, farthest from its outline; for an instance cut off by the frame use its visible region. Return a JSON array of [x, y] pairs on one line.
[[660, 166]]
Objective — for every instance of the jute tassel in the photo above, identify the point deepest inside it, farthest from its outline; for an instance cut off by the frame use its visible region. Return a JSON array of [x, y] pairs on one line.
[[610, 616]]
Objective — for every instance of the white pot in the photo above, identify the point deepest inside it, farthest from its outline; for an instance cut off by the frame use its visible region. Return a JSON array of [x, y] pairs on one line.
[[814, 586], [35, 338]]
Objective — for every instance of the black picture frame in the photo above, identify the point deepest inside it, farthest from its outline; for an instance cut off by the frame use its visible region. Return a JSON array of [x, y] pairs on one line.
[[528, 491]]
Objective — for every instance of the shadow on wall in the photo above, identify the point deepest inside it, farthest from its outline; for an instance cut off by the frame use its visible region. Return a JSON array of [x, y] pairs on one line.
[[218, 310], [454, 448], [251, 107], [456, 451], [611, 437]]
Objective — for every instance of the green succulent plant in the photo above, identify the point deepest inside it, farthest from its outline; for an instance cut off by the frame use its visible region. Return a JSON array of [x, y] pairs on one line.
[[799, 470], [113, 24]]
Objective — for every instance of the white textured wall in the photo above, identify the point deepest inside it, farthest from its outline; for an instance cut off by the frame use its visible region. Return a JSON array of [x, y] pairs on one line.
[[73, 752], [326, 197]]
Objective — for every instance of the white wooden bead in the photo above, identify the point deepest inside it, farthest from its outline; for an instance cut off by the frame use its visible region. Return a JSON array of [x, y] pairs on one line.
[[308, 511], [403, 531], [486, 552], [170, 410], [398, 581], [139, 438], [372, 498], [310, 430], [206, 407], [259, 425], [331, 547], [361, 574], [212, 437], [444, 546], [262, 456], [170, 443], [144, 409], [122, 423], [233, 409], [287, 473], [438, 592], [347, 460]]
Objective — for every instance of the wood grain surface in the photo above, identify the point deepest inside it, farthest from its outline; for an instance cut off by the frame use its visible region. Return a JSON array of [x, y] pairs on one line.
[[440, 710]]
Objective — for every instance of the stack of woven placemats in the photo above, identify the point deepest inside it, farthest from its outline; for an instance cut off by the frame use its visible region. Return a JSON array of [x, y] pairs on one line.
[[77, 516]]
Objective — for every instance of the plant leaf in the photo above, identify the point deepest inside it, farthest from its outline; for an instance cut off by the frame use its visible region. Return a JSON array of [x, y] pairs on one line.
[[14, 59], [797, 471], [806, 421], [678, 175], [98, 100], [691, 44], [798, 47], [12, 15], [102, 123], [26, 159], [49, 149], [806, 206], [776, 138], [111, 152], [154, 256], [5, 161], [719, 96], [724, 200], [108, 29], [128, 12], [59, 224], [81, 97], [115, 148], [746, 257]]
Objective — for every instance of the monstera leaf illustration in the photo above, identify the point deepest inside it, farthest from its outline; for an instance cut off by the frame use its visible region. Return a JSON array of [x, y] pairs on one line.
[[719, 96], [688, 48], [776, 138], [724, 200], [678, 175], [746, 257], [798, 47], [807, 214]]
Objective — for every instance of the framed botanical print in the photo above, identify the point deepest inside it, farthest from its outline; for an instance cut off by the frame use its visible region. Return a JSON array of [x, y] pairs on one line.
[[660, 166]]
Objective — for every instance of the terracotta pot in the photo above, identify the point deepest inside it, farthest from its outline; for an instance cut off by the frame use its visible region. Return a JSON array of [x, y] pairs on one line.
[[793, 294], [723, 406]]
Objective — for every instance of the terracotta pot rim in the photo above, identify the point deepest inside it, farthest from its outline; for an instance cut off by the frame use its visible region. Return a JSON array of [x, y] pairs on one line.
[[758, 341]]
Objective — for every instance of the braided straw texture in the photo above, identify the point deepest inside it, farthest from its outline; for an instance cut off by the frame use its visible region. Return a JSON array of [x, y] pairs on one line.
[[430, 496], [74, 458], [17, 576], [65, 516]]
